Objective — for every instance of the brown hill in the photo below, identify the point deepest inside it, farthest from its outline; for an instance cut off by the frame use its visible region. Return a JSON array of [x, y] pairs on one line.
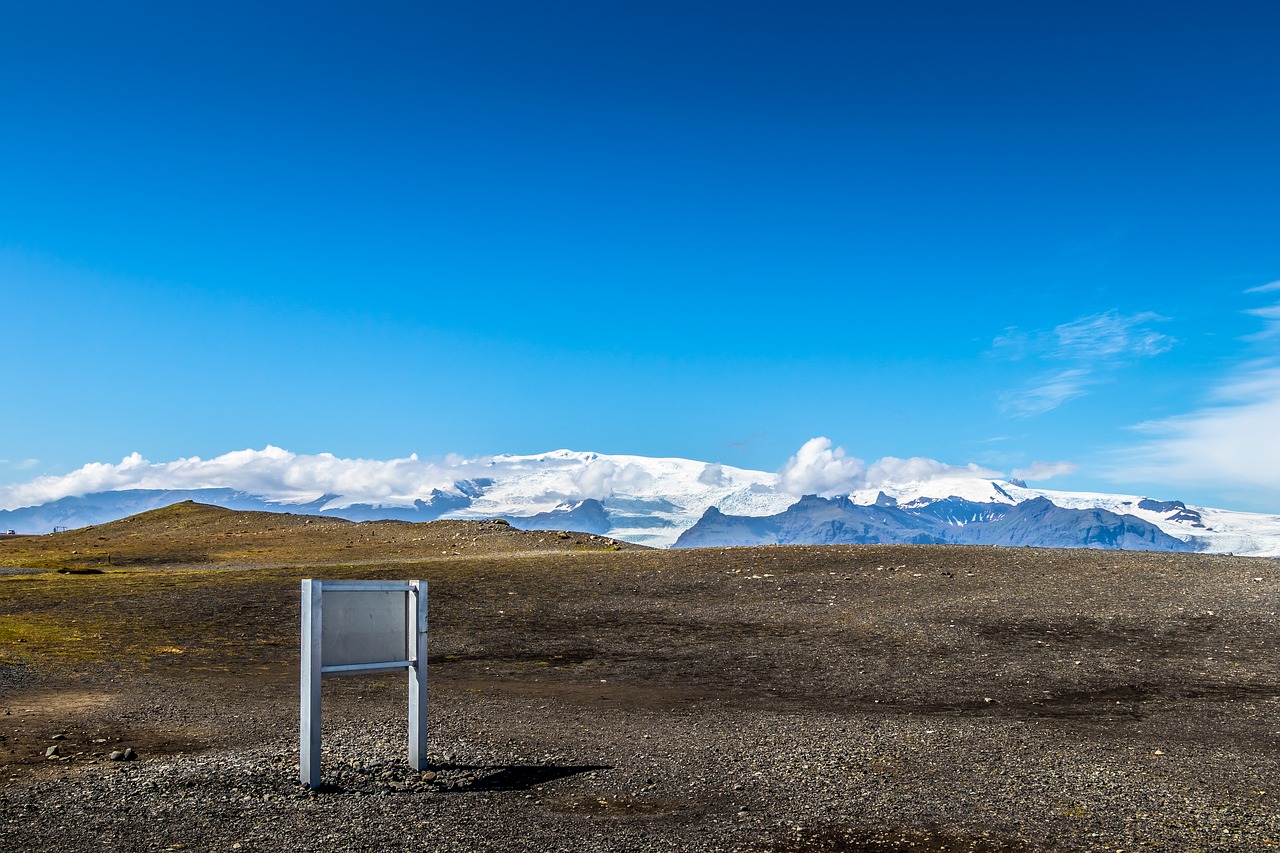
[[200, 536]]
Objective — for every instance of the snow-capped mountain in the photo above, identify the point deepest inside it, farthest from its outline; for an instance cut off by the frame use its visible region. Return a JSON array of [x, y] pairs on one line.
[[640, 499], [650, 501], [1205, 528], [646, 500], [949, 521]]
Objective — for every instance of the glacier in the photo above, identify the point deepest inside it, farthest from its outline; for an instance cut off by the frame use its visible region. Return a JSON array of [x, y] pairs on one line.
[[645, 500]]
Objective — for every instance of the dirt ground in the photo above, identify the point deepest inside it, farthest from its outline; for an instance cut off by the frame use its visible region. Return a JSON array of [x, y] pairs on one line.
[[858, 698]]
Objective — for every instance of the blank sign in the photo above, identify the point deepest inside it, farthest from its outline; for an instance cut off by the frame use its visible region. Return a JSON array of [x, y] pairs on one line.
[[364, 626], [361, 627]]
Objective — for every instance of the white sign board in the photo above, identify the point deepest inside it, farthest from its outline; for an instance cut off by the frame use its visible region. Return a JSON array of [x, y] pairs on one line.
[[359, 627]]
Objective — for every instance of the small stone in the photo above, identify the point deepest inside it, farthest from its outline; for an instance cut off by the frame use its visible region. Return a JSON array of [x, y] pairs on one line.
[[130, 755], [60, 736], [116, 755], [53, 752]]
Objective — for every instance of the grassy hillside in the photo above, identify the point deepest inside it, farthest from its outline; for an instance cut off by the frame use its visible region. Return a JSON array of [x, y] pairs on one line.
[[200, 536]]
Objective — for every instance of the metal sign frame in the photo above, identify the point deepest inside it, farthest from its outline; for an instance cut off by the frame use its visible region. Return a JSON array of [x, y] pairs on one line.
[[361, 640]]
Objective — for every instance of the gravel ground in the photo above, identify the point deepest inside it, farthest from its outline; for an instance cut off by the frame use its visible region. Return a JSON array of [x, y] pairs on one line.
[[838, 699], [701, 777]]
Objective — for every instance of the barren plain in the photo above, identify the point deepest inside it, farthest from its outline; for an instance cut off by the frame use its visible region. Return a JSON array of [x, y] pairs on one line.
[[589, 695]]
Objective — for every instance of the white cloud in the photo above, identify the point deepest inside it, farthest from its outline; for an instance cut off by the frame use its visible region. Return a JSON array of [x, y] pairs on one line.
[[595, 480], [1229, 444], [820, 469], [918, 469], [1093, 347], [1049, 392], [1270, 315], [287, 477], [713, 475], [1044, 470], [271, 472], [601, 478], [1109, 335], [279, 475], [1013, 344], [1265, 288]]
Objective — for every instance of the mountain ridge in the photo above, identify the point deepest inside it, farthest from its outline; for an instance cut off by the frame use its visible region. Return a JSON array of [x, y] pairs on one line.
[[1034, 522], [657, 501]]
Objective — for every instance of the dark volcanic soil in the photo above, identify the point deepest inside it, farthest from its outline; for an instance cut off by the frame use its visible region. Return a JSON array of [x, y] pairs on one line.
[[775, 699]]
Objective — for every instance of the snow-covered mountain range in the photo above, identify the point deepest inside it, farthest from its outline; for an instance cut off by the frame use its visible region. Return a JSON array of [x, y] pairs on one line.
[[975, 510], [657, 502]]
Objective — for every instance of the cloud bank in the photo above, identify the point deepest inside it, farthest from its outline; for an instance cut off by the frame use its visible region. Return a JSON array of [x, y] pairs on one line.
[[271, 472], [820, 469], [292, 478], [1231, 440], [553, 478]]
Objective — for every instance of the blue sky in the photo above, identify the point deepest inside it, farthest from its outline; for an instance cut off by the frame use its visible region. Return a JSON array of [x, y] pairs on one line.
[[1035, 239]]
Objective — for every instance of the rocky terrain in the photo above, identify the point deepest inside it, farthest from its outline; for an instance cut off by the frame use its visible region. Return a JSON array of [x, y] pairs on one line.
[[802, 698]]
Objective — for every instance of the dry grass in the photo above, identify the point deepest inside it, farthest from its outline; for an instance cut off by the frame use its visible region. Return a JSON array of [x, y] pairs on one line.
[[198, 536]]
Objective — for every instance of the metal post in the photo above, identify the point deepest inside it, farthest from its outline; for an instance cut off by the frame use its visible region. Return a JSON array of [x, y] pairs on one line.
[[309, 740], [417, 623]]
